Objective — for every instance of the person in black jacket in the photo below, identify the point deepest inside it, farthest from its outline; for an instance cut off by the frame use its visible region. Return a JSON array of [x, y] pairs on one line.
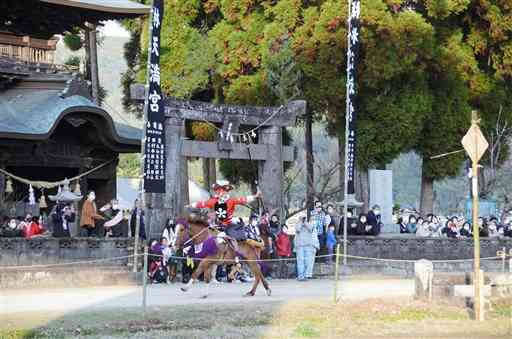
[[351, 224], [138, 212], [362, 225], [374, 219], [466, 230]]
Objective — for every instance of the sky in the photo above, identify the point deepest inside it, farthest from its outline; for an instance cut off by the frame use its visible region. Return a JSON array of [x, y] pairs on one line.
[[113, 28]]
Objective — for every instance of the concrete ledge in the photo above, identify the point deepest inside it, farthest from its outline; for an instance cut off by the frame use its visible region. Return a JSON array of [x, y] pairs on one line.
[[468, 291]]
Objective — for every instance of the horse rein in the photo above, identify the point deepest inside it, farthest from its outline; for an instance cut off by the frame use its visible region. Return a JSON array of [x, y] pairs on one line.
[[195, 236]]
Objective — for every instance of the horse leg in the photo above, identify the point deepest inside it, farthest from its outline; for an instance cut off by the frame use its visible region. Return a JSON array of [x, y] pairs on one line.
[[207, 276], [193, 278], [255, 284], [257, 272], [213, 273]]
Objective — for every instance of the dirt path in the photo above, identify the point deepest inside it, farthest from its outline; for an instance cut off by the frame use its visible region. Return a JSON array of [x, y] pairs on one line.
[[72, 299]]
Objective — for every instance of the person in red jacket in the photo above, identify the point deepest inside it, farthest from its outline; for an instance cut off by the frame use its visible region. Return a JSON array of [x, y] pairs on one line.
[[32, 227], [224, 207], [284, 251]]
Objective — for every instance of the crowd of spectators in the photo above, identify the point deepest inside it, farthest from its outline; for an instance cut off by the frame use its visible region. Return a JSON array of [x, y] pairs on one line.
[[63, 221], [455, 227]]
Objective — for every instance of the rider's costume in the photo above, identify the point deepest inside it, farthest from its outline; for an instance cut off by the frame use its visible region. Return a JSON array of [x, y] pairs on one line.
[[224, 207]]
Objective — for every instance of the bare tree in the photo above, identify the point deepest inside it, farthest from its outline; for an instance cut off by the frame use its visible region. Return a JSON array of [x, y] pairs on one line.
[[498, 139]]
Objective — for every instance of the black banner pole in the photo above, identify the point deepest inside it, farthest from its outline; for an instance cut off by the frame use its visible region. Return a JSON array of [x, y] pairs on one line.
[[354, 12], [154, 136]]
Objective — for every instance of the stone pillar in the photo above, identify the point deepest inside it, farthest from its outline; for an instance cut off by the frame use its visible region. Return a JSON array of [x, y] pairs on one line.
[[94, 63], [159, 207], [270, 171], [2, 188]]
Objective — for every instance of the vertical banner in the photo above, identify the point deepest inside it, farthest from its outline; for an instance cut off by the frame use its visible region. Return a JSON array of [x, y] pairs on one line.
[[154, 140], [351, 110]]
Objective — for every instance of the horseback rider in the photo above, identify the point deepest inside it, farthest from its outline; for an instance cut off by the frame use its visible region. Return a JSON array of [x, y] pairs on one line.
[[224, 206]]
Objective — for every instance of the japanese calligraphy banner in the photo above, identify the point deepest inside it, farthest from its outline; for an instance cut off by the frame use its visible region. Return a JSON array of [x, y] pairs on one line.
[[154, 141], [351, 119]]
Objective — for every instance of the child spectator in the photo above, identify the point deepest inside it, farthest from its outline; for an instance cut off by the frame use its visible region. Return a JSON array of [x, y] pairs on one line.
[[483, 228], [465, 232], [330, 243], [451, 228], [402, 224], [423, 229], [284, 251], [32, 228], [412, 226]]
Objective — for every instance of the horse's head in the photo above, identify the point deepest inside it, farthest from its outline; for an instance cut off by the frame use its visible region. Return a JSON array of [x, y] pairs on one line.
[[186, 228]]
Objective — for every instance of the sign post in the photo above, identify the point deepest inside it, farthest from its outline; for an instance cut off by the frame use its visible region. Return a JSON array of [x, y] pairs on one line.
[[353, 22], [475, 145]]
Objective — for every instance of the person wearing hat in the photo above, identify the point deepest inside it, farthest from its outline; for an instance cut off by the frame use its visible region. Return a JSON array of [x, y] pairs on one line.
[[224, 206]]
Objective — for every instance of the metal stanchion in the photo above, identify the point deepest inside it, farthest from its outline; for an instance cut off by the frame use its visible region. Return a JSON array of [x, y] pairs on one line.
[[336, 273], [144, 281], [503, 255]]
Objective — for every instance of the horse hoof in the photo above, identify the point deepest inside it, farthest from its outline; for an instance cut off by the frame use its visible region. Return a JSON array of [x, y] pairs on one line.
[[249, 294], [269, 292], [183, 289]]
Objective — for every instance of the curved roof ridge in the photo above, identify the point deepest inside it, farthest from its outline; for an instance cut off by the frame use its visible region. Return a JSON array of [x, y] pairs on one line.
[[111, 6]]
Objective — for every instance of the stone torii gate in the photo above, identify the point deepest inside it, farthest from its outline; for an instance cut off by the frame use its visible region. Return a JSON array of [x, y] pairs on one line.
[[269, 151]]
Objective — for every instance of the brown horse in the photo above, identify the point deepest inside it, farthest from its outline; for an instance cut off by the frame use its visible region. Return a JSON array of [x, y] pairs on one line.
[[215, 251]]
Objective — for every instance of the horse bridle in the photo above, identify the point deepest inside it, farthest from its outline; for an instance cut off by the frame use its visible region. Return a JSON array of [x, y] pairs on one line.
[[187, 229]]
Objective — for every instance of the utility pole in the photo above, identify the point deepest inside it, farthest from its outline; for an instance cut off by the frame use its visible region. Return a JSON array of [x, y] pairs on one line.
[[475, 145]]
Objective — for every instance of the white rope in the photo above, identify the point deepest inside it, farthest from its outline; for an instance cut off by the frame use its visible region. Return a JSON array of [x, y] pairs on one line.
[[251, 130], [412, 261], [233, 260], [66, 263], [47, 184]]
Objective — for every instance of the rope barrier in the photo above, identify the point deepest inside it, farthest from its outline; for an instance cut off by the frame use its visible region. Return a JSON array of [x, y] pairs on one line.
[[66, 263], [241, 260]]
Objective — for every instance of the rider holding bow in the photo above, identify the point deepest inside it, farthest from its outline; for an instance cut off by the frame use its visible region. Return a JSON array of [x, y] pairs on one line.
[[224, 207]]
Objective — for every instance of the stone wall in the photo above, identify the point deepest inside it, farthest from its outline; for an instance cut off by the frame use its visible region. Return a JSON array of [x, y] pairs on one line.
[[43, 251], [413, 248], [21, 252]]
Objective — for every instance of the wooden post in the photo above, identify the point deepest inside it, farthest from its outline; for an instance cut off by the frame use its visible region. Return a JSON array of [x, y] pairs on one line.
[[138, 215], [476, 237], [144, 281], [481, 301], [270, 171], [336, 273], [93, 48]]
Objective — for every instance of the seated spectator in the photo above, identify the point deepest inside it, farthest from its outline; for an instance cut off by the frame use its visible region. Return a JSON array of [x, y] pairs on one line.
[[12, 230], [466, 231], [494, 228], [483, 227], [32, 229], [374, 219], [362, 225], [435, 225], [451, 228], [351, 224], [412, 226], [507, 228], [423, 229], [403, 225]]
